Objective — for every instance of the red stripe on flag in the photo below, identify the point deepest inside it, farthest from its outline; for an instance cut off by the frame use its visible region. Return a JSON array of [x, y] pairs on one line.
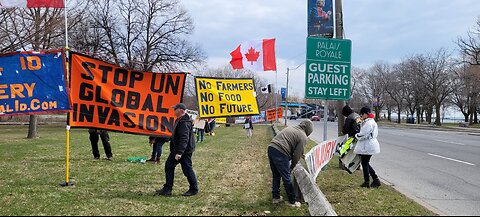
[[269, 59], [237, 58], [45, 4]]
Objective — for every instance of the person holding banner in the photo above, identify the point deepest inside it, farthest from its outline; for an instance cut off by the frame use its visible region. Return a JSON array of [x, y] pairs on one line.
[[95, 136], [367, 146], [249, 127], [157, 145], [288, 145], [182, 146]]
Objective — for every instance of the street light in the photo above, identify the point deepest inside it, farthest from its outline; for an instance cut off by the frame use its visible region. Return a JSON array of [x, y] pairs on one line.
[[286, 94]]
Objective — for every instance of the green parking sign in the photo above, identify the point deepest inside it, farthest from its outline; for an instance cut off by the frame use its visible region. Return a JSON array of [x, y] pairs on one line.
[[328, 69]]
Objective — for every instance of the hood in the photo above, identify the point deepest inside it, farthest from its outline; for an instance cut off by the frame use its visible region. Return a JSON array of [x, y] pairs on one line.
[[307, 127], [347, 111], [372, 116]]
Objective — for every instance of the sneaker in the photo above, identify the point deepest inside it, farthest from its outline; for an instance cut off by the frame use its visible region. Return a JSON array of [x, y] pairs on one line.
[[190, 193], [109, 158], [96, 158], [277, 201], [163, 192], [365, 185], [376, 183], [295, 205], [151, 160]]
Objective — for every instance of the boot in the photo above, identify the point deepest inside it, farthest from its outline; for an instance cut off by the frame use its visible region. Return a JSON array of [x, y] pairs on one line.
[[376, 183], [365, 185]]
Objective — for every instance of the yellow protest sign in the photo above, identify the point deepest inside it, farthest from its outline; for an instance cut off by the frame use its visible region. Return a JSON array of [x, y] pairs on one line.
[[221, 120], [221, 97]]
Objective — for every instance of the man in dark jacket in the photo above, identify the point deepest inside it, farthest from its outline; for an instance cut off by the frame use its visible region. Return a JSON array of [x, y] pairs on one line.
[[352, 122], [182, 146]]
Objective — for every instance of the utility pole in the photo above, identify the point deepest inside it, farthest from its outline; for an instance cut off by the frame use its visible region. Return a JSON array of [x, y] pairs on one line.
[[286, 97], [339, 35]]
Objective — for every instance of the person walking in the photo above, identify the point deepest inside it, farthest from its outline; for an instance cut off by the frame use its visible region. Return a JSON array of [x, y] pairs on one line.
[[288, 146], [182, 146], [95, 136], [368, 146]]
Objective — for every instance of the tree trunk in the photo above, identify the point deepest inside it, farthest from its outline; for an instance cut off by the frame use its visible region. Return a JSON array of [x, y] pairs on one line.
[[390, 115], [399, 115], [475, 116], [438, 116], [377, 114], [429, 116], [418, 116], [466, 115], [32, 128]]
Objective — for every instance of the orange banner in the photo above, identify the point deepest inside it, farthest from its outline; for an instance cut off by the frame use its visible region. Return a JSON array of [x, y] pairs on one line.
[[105, 96], [272, 115]]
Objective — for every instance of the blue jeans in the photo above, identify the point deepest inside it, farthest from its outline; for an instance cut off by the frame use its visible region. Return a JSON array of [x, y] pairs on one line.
[[200, 135], [186, 162], [157, 150], [280, 165]]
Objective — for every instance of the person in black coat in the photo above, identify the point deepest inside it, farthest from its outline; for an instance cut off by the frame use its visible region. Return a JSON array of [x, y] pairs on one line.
[[182, 146], [157, 146], [352, 122]]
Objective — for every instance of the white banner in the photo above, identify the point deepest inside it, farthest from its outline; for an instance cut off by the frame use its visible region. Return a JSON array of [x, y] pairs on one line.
[[320, 156]]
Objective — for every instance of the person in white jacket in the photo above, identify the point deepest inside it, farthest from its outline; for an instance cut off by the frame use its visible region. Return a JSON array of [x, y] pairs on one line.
[[367, 146]]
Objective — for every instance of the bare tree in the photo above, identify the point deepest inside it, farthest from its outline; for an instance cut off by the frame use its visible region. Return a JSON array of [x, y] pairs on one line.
[[465, 95], [34, 29], [469, 47], [390, 79], [437, 79], [147, 35]]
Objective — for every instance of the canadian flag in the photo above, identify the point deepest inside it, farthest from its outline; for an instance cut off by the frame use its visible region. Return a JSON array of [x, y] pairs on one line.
[[32, 4], [257, 56]]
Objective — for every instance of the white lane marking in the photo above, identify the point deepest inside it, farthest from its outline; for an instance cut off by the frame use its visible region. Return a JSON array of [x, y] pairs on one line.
[[455, 143], [451, 159]]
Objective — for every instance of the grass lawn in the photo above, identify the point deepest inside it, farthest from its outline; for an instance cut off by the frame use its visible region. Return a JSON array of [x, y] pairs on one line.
[[233, 173]]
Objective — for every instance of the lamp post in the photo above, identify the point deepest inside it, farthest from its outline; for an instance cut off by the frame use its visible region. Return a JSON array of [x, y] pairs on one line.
[[286, 94]]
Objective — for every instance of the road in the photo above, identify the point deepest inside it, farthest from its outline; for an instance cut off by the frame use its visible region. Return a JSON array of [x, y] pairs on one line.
[[441, 170]]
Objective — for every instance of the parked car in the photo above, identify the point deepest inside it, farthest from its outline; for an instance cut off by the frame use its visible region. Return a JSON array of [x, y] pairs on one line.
[[315, 118], [331, 119], [293, 117]]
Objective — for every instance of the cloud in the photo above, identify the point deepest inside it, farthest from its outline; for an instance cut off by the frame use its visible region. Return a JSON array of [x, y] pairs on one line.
[[379, 30]]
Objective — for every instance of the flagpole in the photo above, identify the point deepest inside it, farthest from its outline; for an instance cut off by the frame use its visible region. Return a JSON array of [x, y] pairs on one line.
[[276, 97], [67, 182]]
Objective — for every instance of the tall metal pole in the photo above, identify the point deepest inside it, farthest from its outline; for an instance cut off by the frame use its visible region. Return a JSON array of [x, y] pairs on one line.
[[325, 120], [276, 97], [339, 35], [286, 97]]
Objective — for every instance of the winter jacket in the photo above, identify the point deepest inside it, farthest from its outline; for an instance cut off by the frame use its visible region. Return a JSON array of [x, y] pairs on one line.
[[352, 122], [183, 139], [156, 140], [367, 139], [292, 141]]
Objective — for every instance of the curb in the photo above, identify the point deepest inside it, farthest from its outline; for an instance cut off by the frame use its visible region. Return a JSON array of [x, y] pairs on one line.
[[318, 204]]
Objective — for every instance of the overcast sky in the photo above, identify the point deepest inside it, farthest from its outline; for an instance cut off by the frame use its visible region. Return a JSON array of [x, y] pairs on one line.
[[379, 29]]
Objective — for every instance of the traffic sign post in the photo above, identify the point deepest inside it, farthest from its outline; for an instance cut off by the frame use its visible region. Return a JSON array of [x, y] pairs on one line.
[[328, 69]]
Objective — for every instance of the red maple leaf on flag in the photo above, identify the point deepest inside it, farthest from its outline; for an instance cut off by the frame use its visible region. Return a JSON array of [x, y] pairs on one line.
[[252, 55]]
